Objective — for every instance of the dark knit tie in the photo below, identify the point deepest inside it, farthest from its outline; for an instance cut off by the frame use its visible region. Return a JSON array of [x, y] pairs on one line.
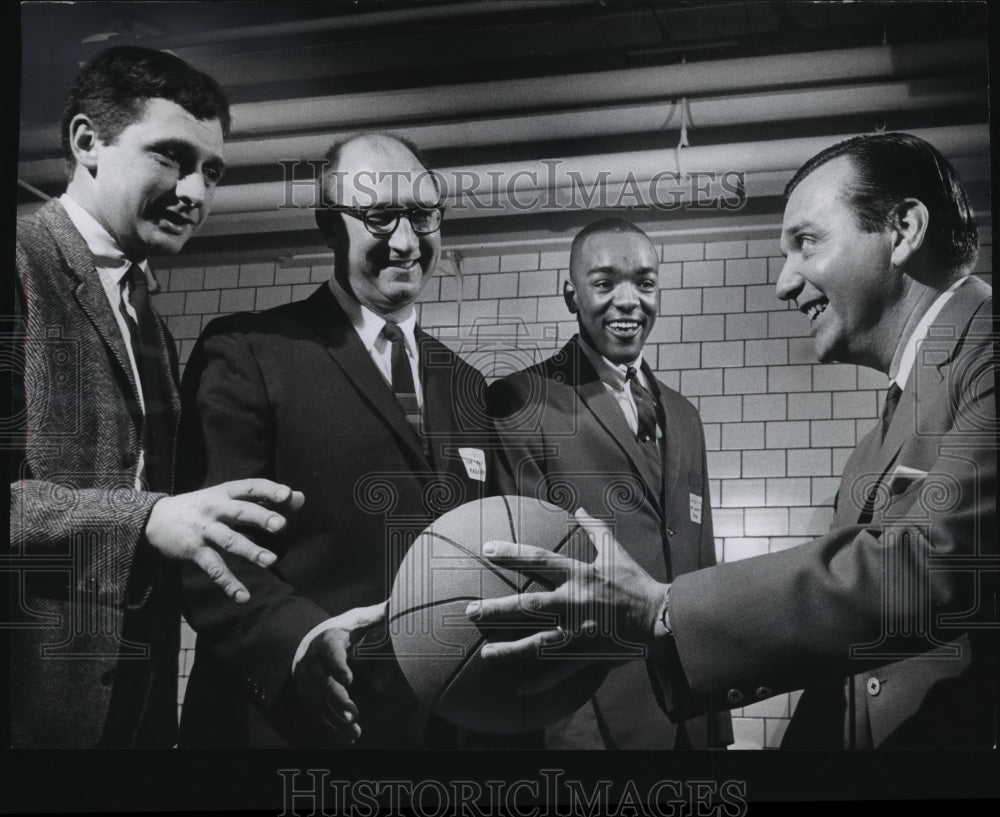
[[891, 401], [645, 406], [146, 350], [402, 378]]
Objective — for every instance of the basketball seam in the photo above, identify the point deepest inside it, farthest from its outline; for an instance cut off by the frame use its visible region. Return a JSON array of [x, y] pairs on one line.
[[510, 519], [559, 546], [476, 556], [430, 604], [446, 686]]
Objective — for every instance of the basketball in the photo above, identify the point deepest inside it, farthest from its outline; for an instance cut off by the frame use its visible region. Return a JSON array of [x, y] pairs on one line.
[[437, 646]]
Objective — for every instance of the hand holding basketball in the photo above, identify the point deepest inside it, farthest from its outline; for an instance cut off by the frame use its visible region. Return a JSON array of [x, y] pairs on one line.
[[439, 649], [612, 589]]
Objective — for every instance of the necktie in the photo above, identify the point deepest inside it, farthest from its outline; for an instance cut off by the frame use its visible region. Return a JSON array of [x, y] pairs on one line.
[[645, 406], [146, 349], [891, 401], [402, 377]]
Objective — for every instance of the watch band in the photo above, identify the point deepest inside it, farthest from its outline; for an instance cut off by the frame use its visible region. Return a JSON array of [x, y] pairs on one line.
[[665, 613]]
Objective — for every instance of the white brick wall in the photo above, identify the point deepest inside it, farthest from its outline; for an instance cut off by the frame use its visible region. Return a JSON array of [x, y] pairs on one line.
[[779, 426]]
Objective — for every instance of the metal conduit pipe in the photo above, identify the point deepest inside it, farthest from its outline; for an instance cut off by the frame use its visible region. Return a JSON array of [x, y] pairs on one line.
[[528, 176], [611, 87], [757, 184], [927, 94], [489, 100]]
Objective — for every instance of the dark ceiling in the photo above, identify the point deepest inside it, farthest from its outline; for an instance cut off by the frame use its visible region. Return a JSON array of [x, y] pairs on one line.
[[267, 50]]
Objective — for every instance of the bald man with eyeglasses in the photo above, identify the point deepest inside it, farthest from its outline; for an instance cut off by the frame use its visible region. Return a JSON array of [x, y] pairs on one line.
[[380, 425]]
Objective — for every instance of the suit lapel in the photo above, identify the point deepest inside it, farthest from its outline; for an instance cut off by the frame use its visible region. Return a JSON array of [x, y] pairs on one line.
[[349, 353], [929, 371], [605, 409], [88, 290], [438, 418], [435, 378]]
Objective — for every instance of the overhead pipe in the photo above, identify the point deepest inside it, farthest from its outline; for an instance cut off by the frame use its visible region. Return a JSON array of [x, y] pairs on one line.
[[609, 88], [652, 117], [289, 207], [644, 165]]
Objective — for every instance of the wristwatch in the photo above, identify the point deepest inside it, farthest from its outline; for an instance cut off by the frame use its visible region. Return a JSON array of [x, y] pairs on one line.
[[663, 619]]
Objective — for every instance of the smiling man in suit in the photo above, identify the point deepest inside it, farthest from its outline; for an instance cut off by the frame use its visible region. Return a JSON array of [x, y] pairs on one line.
[[889, 621], [384, 429], [95, 538], [592, 427]]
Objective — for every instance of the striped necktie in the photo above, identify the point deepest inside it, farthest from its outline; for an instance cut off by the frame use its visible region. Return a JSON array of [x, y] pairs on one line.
[[146, 350], [891, 401], [646, 408], [402, 379]]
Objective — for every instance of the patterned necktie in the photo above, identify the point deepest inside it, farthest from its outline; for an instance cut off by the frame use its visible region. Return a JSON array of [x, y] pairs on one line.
[[146, 350], [402, 378], [891, 401], [646, 408]]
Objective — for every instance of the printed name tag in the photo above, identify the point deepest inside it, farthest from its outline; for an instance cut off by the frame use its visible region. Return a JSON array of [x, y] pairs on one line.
[[475, 463], [695, 508]]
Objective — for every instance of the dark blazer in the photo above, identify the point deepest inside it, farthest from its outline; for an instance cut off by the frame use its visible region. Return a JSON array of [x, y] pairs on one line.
[[893, 610], [566, 440], [76, 522], [291, 394]]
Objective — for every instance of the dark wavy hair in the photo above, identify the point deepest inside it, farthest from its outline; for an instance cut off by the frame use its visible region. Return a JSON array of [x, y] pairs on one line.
[[113, 88], [891, 167]]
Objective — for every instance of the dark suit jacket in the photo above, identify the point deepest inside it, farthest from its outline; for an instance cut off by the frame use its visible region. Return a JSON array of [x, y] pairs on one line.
[[84, 575], [291, 394], [566, 440], [893, 610]]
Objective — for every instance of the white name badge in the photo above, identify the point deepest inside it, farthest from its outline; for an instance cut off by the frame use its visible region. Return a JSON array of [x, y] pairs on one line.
[[695, 508], [475, 463]]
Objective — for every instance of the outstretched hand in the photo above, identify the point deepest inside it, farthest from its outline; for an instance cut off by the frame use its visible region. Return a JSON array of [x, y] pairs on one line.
[[605, 609], [195, 526], [323, 675]]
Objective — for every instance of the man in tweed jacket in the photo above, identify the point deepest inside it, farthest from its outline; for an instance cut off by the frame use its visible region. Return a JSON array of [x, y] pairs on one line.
[[95, 538]]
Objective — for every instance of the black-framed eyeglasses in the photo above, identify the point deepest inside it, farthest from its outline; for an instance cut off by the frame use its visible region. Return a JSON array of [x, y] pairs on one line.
[[382, 221]]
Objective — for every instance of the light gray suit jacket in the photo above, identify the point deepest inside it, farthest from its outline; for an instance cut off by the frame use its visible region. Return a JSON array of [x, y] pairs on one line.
[[889, 621], [85, 580]]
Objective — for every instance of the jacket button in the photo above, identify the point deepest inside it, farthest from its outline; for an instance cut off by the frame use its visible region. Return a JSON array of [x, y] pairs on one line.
[[107, 677], [874, 686], [763, 692], [734, 696], [129, 459]]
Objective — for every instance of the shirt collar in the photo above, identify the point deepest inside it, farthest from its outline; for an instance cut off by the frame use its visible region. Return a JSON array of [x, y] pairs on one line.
[[611, 374], [901, 372], [368, 324], [107, 255]]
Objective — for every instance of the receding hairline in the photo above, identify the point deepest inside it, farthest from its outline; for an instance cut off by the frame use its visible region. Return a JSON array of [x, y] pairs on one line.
[[380, 144]]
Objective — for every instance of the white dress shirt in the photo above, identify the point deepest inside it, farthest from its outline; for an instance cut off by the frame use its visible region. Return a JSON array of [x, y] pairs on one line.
[[612, 375], [919, 334], [368, 325]]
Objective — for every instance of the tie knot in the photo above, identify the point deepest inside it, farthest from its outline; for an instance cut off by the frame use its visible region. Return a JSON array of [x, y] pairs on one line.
[[391, 332], [136, 277], [631, 374]]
